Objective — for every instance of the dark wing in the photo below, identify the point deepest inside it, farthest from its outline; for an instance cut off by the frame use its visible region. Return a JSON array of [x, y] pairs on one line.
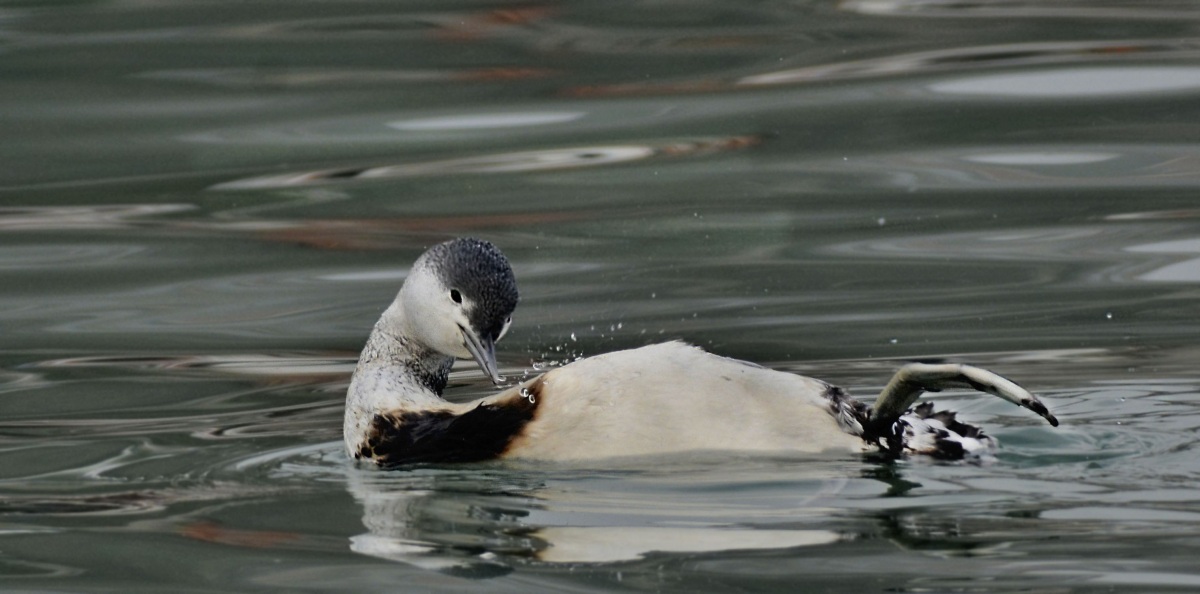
[[482, 433]]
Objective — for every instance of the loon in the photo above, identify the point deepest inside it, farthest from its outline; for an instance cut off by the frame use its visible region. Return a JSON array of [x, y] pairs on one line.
[[457, 302]]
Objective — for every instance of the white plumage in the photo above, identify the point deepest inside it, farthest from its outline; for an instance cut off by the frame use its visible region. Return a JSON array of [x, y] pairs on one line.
[[663, 398], [672, 397]]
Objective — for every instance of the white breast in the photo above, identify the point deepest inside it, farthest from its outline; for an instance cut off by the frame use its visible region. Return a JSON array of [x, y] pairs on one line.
[[673, 397]]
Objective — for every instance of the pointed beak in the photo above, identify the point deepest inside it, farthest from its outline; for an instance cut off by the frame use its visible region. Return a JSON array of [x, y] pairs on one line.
[[484, 352]]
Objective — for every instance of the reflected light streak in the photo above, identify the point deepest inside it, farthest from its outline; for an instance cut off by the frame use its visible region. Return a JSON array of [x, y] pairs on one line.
[[1017, 9], [105, 216], [515, 162], [1076, 82], [1041, 158], [329, 77], [487, 120], [1187, 271]]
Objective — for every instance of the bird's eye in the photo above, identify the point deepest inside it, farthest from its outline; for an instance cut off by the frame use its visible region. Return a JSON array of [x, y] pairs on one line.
[[455, 295]]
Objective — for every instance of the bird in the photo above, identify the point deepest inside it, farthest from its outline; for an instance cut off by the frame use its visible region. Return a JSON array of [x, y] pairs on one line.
[[457, 302]]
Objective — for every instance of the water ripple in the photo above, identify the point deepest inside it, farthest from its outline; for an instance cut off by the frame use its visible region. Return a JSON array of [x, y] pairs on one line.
[[83, 217], [999, 167], [1130, 253], [518, 162], [974, 58], [1071, 83], [225, 302], [336, 78], [274, 366], [1015, 9]]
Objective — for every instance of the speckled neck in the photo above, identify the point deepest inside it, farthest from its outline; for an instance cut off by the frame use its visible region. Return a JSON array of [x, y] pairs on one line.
[[426, 367], [394, 372]]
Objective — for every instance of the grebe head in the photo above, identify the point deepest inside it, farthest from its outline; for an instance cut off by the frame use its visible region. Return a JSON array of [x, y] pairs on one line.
[[458, 300]]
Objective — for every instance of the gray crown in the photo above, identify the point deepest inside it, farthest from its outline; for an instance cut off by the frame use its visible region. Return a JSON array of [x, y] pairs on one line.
[[478, 270]]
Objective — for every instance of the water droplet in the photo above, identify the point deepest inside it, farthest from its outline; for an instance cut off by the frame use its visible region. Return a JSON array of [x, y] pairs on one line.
[[881, 221], [1108, 315], [573, 339], [894, 340]]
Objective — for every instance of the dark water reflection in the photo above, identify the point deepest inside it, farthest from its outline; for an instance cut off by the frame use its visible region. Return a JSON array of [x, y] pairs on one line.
[[205, 207]]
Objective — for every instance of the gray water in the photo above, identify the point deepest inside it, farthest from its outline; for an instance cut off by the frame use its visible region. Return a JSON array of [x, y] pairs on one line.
[[205, 206]]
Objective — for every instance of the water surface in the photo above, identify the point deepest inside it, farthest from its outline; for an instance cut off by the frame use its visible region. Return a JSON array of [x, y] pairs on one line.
[[205, 206]]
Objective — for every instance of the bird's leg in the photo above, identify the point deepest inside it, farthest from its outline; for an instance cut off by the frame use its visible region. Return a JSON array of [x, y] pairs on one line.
[[914, 378]]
